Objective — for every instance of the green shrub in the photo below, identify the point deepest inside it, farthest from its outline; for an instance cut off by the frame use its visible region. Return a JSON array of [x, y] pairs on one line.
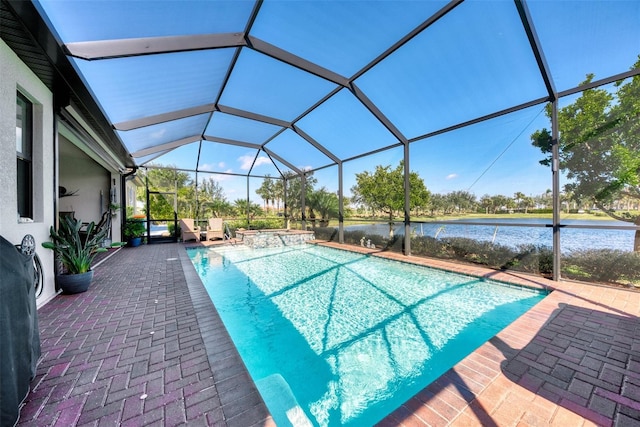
[[326, 233], [602, 265], [173, 229], [358, 237], [267, 223], [535, 259], [480, 252], [134, 227], [256, 224], [528, 258], [353, 237], [598, 265], [428, 246]]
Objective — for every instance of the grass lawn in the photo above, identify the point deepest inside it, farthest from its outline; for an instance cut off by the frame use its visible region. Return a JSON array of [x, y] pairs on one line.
[[563, 216], [518, 215]]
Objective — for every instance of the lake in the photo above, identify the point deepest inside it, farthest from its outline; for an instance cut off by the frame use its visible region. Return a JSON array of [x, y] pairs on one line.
[[571, 239]]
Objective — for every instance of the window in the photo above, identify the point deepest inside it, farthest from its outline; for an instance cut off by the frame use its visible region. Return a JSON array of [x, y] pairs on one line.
[[24, 150]]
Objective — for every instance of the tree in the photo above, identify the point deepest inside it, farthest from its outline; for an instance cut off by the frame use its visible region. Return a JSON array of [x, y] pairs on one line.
[[501, 202], [212, 189], [266, 191], [294, 192], [600, 146], [487, 204], [166, 181], [271, 191], [437, 203], [518, 197], [278, 192], [544, 200], [462, 201], [325, 203], [383, 191], [212, 199], [167, 178], [243, 208]]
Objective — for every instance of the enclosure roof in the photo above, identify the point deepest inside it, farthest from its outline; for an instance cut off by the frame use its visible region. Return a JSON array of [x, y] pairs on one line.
[[268, 87]]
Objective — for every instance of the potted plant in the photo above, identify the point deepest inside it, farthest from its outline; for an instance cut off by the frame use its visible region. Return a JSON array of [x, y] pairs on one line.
[[75, 251], [133, 231]]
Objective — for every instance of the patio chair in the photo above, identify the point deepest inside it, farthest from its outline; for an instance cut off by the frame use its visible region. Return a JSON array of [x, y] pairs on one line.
[[188, 231], [215, 229], [105, 223]]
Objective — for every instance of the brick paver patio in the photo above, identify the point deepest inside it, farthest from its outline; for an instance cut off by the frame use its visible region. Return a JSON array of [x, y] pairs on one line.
[[130, 351], [144, 346]]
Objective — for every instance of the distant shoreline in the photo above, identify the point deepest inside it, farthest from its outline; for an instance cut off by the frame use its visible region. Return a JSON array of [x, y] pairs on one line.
[[563, 217], [582, 217]]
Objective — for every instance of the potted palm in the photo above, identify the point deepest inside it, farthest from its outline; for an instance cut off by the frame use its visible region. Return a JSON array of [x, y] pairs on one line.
[[75, 251]]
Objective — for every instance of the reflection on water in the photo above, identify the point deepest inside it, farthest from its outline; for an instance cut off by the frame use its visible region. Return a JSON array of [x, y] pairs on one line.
[[571, 238], [334, 338]]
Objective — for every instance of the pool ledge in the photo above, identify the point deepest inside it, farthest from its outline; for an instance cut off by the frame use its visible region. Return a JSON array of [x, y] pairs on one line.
[[510, 277], [240, 399]]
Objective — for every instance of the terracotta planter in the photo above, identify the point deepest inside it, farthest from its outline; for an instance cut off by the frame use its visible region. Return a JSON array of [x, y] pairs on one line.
[[74, 283]]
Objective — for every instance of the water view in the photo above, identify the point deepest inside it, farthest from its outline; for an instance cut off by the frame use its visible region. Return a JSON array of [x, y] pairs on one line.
[[571, 238]]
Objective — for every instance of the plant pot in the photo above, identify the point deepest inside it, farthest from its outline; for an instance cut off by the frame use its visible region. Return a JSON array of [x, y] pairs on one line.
[[135, 241], [74, 283]]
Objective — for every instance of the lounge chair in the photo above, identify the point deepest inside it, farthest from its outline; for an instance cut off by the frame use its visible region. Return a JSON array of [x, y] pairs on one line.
[[188, 231], [215, 229]]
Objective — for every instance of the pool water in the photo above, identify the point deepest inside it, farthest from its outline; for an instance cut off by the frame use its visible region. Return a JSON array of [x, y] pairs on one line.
[[335, 338]]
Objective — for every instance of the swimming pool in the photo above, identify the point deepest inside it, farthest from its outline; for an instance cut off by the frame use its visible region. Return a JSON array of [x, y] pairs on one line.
[[332, 337]]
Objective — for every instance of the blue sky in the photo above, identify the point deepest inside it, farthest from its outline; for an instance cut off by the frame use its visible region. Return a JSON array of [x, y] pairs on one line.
[[473, 62]]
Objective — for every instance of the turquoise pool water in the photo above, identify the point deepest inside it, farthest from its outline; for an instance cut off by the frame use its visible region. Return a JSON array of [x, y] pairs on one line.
[[335, 338]]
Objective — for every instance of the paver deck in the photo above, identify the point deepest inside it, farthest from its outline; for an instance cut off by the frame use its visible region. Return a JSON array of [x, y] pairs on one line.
[[141, 347], [144, 346]]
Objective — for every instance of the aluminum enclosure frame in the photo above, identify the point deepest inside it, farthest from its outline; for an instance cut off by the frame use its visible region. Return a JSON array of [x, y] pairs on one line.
[[69, 87]]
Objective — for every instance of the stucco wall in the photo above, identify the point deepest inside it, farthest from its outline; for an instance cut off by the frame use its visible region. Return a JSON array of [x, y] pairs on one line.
[[14, 76]]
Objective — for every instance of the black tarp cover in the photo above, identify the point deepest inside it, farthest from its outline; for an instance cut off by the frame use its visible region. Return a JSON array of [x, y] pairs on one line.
[[19, 333]]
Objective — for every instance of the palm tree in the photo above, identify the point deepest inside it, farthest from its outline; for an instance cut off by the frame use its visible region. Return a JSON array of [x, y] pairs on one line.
[[518, 197], [266, 191], [243, 207], [487, 203], [325, 203], [278, 191]]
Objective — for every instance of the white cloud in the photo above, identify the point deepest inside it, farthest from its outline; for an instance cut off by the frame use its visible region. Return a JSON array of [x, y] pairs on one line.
[[263, 160], [246, 161], [220, 167], [216, 168], [451, 176], [220, 178]]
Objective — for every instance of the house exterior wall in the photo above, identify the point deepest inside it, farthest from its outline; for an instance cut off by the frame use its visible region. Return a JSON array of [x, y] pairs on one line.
[[79, 168], [14, 76]]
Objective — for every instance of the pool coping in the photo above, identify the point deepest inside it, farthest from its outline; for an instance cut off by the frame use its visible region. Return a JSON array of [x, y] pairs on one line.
[[478, 391], [236, 389]]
